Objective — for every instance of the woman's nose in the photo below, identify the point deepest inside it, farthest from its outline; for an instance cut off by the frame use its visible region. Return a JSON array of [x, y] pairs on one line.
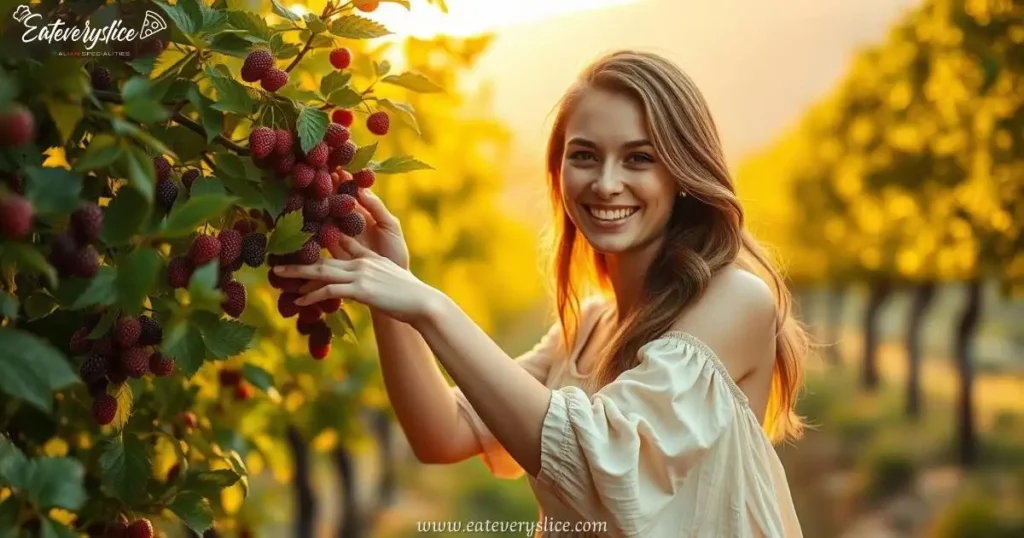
[[609, 182]]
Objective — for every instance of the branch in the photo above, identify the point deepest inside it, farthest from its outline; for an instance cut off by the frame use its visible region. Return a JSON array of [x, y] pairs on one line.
[[325, 16], [179, 118]]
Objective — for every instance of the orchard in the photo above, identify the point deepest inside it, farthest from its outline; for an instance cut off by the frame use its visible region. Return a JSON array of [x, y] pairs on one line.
[[143, 197]]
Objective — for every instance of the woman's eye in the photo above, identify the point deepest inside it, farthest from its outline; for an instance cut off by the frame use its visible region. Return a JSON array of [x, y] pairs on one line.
[[580, 155], [640, 158]]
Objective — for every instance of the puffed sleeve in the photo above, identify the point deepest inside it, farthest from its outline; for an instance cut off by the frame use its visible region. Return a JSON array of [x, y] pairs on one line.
[[626, 450], [536, 361]]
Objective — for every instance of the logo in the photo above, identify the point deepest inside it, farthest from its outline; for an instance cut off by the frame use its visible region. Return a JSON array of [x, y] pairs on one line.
[[58, 31]]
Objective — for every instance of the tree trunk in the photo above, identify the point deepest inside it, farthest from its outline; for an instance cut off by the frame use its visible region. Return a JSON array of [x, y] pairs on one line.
[[924, 293], [351, 520], [879, 292], [305, 502], [966, 330], [836, 297]]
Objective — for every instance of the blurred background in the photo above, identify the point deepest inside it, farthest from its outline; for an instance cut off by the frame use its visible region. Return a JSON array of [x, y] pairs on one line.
[[877, 147]]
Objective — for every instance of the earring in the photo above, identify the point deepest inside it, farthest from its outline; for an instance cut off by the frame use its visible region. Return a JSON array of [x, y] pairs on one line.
[[682, 194]]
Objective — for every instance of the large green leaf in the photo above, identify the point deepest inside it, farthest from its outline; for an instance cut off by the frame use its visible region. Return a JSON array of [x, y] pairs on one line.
[[213, 120], [416, 82], [28, 258], [137, 275], [259, 377], [209, 484], [125, 464], [284, 12], [123, 217], [357, 27], [31, 368], [55, 483], [194, 511], [8, 306], [138, 167], [232, 97], [103, 151], [312, 125], [12, 463], [401, 164], [333, 81], [287, 235], [180, 16], [79, 293], [224, 338], [362, 158], [402, 112], [345, 97], [52, 190], [184, 218], [184, 343]]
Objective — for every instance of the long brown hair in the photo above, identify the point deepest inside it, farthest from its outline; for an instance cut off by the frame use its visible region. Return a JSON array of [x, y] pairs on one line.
[[705, 231]]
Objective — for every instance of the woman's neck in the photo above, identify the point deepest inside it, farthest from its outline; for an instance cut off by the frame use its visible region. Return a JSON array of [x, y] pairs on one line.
[[627, 272]]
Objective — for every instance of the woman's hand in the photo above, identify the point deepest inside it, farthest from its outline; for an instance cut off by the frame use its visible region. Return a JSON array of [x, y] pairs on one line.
[[383, 232], [366, 277]]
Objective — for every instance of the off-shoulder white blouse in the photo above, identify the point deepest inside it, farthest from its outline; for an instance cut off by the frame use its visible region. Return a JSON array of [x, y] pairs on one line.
[[670, 448]]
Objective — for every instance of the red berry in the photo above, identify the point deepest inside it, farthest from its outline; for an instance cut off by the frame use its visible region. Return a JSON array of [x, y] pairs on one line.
[[302, 175], [101, 79], [261, 142], [286, 304], [284, 142], [254, 247], [17, 126], [341, 58], [319, 352], [166, 194], [284, 164], [151, 47], [329, 235], [104, 407], [378, 123], [127, 332], [309, 315], [161, 365], [342, 155], [274, 80], [285, 284], [85, 262], [316, 209], [190, 177], [135, 362], [295, 201], [162, 168], [204, 249], [364, 178], [103, 345], [350, 188], [367, 6], [245, 226], [230, 246], [329, 306], [336, 135], [152, 333], [322, 185], [343, 116], [87, 224], [93, 367], [79, 341], [234, 299], [16, 214], [117, 528], [140, 528], [317, 155], [189, 419], [309, 253], [229, 377], [243, 391], [352, 224], [179, 271], [341, 205], [256, 65]]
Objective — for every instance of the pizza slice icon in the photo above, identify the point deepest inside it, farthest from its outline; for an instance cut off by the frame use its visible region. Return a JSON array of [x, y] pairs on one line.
[[152, 24]]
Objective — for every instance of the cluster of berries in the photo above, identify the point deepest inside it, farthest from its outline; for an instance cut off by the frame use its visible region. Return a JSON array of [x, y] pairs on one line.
[[259, 67], [167, 190], [72, 252], [125, 351], [120, 528], [231, 378]]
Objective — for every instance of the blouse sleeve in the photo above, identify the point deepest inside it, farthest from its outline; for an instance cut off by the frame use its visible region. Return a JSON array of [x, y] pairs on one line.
[[536, 361], [624, 452]]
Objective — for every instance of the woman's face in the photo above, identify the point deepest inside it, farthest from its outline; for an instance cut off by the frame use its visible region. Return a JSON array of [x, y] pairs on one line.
[[615, 188]]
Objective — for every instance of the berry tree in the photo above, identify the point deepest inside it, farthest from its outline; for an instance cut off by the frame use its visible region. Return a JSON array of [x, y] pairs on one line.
[[143, 197]]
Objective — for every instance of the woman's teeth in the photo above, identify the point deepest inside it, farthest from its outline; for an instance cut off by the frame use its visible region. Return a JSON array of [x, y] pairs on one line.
[[612, 215]]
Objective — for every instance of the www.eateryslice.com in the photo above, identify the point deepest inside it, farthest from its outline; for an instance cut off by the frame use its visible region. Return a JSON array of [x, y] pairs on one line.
[[527, 528]]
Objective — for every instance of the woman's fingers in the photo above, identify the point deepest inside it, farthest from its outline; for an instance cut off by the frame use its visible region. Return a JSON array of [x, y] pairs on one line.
[[375, 208], [330, 291], [327, 270], [354, 247]]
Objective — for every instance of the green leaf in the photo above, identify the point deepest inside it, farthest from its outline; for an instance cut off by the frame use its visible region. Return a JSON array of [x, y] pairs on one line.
[[381, 68], [184, 343], [141, 101], [287, 235], [231, 45], [103, 151], [322, 41], [403, 112], [39, 305], [123, 217], [143, 66], [284, 12], [8, 306], [10, 510], [180, 16], [230, 164], [28, 258], [125, 128], [312, 124], [125, 400], [357, 27], [202, 287], [259, 377], [341, 324], [224, 338], [78, 293], [333, 81], [209, 484], [207, 186], [66, 116], [275, 196], [125, 467], [184, 218], [212, 120], [55, 483], [137, 275], [194, 511], [232, 97], [248, 194], [52, 190], [416, 82], [282, 50], [401, 164], [53, 529], [345, 98], [250, 22], [315, 24], [361, 158], [107, 320], [138, 167], [12, 463]]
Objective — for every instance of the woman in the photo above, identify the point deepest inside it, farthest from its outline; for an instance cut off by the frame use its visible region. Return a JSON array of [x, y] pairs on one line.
[[651, 405]]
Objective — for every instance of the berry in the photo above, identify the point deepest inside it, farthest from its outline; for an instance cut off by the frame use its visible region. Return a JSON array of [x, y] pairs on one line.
[[229, 377], [118, 527], [316, 209], [256, 65], [317, 155], [284, 164], [102, 79], [162, 168], [204, 249], [103, 345], [16, 182], [189, 177], [16, 214], [151, 47], [79, 341], [343, 116], [127, 332], [135, 362], [285, 284], [341, 58], [295, 202], [378, 123], [104, 407], [367, 6], [179, 271], [341, 205], [322, 184], [318, 352], [234, 299], [320, 334], [264, 163], [166, 194], [309, 253], [87, 224], [243, 391], [274, 80], [350, 188], [17, 126], [302, 175], [93, 367], [245, 226], [116, 373], [336, 135], [352, 224], [262, 142], [364, 178], [343, 155], [161, 365], [329, 235], [190, 420], [311, 227], [254, 247], [85, 262], [284, 142], [329, 306], [230, 246], [140, 528], [286, 304], [152, 334], [309, 315]]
